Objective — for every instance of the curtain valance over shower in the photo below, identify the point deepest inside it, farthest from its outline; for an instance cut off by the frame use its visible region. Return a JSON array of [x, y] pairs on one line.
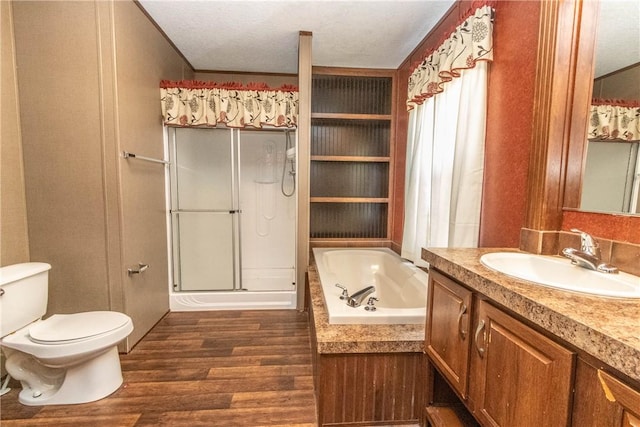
[[614, 120], [194, 103], [471, 41]]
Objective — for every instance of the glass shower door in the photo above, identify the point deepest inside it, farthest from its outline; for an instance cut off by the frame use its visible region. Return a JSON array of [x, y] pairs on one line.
[[204, 209]]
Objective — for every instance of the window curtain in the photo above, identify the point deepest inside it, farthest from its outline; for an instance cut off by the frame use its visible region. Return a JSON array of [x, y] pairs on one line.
[[614, 120], [445, 153], [193, 103]]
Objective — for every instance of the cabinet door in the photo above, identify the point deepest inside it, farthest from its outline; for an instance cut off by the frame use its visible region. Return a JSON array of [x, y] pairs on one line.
[[591, 408], [626, 397], [524, 378], [447, 329]]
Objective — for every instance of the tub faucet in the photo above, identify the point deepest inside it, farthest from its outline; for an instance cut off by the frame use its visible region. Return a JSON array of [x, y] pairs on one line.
[[589, 254], [356, 299]]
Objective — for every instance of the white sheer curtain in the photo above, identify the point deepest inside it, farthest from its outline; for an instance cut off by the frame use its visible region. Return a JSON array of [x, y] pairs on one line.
[[445, 165]]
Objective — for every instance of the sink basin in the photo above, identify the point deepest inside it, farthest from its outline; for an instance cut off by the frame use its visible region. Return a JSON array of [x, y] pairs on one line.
[[559, 273]]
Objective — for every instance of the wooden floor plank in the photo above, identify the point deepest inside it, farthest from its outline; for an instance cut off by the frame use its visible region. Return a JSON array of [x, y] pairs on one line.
[[217, 368], [272, 398], [107, 420], [265, 416], [259, 371]]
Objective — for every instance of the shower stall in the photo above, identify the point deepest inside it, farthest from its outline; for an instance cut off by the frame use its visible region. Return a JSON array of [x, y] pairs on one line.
[[233, 218]]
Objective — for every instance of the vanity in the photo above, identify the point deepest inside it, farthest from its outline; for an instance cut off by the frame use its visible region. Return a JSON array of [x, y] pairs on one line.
[[506, 352]]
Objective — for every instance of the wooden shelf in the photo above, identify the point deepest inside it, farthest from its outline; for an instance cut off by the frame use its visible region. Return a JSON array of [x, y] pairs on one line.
[[349, 200], [348, 116], [352, 154], [351, 159]]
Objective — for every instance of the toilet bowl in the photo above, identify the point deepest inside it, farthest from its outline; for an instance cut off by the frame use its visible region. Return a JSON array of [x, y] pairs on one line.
[[64, 359]]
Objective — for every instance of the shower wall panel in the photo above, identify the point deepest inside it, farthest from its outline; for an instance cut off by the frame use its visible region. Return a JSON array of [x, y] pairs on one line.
[[268, 218]]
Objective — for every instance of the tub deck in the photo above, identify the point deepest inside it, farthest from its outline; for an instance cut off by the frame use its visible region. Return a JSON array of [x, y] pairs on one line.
[[365, 374], [370, 338]]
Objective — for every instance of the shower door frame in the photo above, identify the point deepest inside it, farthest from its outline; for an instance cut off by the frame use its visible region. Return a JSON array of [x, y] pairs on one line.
[[176, 273]]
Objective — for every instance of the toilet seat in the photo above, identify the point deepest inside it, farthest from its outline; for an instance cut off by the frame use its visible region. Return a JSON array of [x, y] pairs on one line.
[[70, 328]]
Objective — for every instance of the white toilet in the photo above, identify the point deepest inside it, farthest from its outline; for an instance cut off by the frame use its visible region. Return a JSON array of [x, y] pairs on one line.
[[64, 359]]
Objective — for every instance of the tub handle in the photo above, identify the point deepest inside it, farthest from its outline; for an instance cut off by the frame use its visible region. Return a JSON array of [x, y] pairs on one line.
[[345, 292], [371, 304], [462, 333], [479, 329]]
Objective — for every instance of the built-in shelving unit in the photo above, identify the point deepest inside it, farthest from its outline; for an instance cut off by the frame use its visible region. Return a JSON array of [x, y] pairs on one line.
[[351, 153]]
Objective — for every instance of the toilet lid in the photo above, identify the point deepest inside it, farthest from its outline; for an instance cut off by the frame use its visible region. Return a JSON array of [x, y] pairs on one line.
[[78, 326]]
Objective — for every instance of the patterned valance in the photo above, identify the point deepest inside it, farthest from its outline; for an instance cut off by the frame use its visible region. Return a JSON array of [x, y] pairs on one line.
[[193, 103], [614, 120], [470, 42]]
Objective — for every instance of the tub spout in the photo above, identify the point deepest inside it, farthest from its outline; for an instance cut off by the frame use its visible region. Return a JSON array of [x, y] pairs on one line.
[[356, 299]]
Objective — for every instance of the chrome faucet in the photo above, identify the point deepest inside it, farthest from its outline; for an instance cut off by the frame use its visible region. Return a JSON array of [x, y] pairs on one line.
[[356, 299], [589, 254]]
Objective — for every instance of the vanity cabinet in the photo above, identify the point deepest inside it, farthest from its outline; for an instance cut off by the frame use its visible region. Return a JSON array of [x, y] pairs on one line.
[[519, 377], [627, 399], [447, 333], [602, 400], [505, 372]]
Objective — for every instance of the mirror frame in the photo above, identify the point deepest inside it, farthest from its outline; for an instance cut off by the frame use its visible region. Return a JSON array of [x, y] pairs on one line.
[[582, 93], [566, 47]]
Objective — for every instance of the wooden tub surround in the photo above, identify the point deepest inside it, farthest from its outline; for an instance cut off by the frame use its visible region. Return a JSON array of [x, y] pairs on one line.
[[365, 375], [510, 353]]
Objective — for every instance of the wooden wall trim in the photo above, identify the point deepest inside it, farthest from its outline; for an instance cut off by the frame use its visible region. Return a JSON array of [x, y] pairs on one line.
[[582, 93], [358, 72], [553, 101], [304, 154], [542, 209], [559, 128]]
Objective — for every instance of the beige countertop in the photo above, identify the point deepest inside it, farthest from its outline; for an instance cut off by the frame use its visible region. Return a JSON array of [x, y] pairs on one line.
[[606, 328], [359, 338]]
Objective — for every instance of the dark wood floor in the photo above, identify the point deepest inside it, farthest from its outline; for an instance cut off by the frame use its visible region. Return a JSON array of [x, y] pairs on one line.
[[216, 368]]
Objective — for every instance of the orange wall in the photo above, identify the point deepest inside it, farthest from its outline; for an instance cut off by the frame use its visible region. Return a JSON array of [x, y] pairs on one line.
[[509, 119], [623, 228]]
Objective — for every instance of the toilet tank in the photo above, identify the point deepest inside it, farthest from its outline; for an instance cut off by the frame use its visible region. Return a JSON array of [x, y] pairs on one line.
[[23, 295]]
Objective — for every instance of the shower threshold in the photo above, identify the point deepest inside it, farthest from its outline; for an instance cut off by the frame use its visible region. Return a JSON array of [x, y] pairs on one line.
[[232, 300]]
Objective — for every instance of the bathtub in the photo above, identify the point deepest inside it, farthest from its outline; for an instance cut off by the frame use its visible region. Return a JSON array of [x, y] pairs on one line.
[[400, 286]]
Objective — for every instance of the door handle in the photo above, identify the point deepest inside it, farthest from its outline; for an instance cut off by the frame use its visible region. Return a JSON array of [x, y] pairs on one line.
[[141, 268]]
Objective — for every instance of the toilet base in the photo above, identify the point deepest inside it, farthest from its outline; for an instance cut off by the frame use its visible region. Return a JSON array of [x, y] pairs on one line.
[[85, 382]]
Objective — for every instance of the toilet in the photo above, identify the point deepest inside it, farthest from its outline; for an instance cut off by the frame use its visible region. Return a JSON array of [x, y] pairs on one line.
[[64, 359]]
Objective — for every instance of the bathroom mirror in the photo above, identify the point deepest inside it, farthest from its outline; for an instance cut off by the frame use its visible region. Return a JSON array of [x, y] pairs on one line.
[[611, 172]]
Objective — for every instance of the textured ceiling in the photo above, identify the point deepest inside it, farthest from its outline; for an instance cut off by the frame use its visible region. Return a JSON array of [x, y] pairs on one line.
[[618, 37], [262, 36]]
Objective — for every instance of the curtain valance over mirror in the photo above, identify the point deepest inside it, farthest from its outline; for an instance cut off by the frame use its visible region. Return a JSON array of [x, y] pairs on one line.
[[194, 103], [471, 41], [614, 120]]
